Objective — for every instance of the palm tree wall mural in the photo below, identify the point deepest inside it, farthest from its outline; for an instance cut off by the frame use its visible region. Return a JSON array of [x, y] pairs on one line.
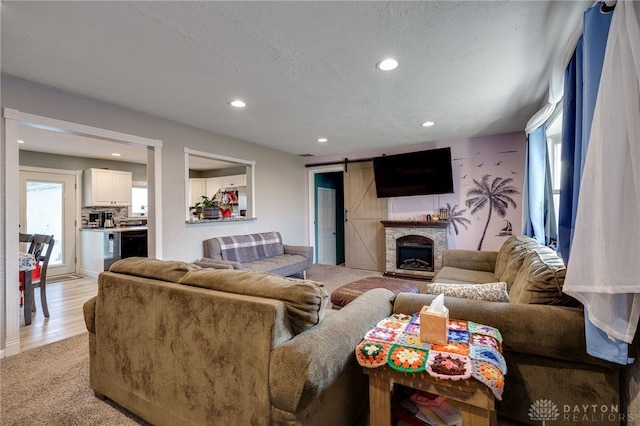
[[456, 218], [495, 195]]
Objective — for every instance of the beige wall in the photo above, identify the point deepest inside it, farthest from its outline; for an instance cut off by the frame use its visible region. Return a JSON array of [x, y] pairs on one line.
[[280, 177]]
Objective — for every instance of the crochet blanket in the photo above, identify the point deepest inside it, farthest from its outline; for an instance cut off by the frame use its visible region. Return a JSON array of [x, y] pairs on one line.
[[251, 247], [472, 350]]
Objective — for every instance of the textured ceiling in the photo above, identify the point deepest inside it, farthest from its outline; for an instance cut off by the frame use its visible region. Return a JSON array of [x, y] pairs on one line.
[[305, 69]]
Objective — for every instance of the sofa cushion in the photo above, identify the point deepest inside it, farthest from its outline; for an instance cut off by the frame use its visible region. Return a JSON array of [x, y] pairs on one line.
[[285, 265], [540, 279], [251, 247], [305, 300], [450, 274], [493, 292], [164, 270], [511, 256]]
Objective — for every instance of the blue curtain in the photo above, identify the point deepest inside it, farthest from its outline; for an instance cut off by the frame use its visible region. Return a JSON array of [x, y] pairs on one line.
[[539, 217], [581, 82], [582, 79]]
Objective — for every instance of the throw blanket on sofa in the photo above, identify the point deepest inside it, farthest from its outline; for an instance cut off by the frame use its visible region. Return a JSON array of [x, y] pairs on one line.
[[248, 248]]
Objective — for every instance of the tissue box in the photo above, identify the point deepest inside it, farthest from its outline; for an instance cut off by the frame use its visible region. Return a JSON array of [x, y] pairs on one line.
[[434, 326]]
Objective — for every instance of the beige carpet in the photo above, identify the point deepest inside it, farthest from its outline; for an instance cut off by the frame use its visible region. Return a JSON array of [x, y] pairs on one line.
[[49, 385], [335, 276]]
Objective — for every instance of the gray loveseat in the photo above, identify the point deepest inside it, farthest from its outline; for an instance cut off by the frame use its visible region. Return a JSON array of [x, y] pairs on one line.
[[543, 331], [180, 345], [262, 252]]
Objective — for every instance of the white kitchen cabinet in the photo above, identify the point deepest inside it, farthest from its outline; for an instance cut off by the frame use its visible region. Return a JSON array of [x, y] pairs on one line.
[[213, 184], [196, 190], [110, 188], [234, 181]]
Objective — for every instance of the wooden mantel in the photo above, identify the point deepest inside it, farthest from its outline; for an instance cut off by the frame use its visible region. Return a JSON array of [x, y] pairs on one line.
[[415, 223]]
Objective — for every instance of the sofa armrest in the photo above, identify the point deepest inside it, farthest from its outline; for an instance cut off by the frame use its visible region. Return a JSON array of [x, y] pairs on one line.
[[475, 260], [300, 250], [319, 355], [89, 312], [218, 264], [542, 330]]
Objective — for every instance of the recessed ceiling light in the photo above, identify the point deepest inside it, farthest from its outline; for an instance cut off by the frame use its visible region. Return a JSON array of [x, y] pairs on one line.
[[20, 141], [116, 154], [237, 103], [387, 64], [428, 124], [322, 140]]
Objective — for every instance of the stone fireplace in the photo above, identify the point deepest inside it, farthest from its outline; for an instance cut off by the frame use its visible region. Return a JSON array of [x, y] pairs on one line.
[[414, 248]]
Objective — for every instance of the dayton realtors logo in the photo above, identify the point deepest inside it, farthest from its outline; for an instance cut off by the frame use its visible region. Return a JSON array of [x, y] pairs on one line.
[[543, 409]]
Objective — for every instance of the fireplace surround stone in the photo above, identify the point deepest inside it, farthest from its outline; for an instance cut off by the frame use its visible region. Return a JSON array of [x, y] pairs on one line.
[[433, 230]]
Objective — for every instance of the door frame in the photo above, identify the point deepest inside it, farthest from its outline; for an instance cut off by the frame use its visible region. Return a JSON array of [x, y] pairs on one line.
[[77, 174], [12, 120], [311, 205]]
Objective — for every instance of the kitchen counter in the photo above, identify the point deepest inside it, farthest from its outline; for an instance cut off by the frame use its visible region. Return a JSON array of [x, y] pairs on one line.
[[117, 229], [221, 220]]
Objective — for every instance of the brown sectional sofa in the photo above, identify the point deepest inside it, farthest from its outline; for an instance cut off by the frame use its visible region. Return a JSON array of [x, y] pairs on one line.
[[177, 344], [543, 331]]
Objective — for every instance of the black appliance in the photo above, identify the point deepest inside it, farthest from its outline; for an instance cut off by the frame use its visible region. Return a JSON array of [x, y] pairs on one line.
[[133, 244], [121, 245], [414, 173], [94, 221]]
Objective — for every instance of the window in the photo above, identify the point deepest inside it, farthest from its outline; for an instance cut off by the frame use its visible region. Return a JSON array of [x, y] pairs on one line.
[[554, 147], [139, 199]]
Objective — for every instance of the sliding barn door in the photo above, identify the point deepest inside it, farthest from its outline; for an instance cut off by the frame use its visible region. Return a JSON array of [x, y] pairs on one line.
[[364, 233]]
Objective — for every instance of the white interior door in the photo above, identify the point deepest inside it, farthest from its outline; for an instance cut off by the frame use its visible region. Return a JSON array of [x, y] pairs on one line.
[[48, 206], [326, 226]]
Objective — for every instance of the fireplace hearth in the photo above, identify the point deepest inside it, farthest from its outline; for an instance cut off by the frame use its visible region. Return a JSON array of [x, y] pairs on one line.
[[414, 252]]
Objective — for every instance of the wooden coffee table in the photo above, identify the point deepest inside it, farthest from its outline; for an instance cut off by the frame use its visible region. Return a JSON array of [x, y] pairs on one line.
[[476, 401]]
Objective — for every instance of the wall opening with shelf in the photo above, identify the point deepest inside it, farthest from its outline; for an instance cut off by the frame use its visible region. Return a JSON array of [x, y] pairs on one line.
[[227, 180]]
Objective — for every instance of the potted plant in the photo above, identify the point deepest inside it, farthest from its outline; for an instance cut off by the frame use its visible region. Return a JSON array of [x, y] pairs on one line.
[[226, 199], [209, 207]]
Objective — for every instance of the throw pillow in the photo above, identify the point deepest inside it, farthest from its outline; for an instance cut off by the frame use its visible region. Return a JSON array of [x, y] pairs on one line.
[[510, 257], [492, 292], [540, 280]]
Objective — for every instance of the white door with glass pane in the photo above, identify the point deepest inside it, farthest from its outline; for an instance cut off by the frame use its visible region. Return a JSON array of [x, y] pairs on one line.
[[48, 206]]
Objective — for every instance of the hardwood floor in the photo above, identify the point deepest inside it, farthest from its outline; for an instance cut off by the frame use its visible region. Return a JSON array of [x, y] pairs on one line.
[[65, 300]]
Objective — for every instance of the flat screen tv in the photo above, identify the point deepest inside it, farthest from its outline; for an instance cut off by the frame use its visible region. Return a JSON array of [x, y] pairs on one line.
[[414, 173]]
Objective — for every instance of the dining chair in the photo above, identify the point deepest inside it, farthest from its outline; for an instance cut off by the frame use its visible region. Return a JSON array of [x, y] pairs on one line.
[[26, 238], [41, 247]]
